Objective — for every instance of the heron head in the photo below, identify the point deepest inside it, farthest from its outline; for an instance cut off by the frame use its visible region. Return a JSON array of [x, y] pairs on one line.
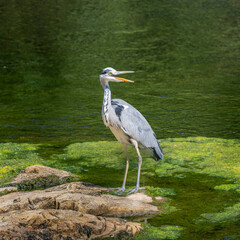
[[110, 75]]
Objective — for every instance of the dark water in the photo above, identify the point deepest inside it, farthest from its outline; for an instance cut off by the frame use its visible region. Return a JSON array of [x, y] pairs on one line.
[[186, 57], [185, 54]]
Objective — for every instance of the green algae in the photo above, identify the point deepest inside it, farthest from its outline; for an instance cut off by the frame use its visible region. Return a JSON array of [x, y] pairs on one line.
[[107, 154], [228, 214], [156, 191], [167, 207], [14, 157], [43, 182], [214, 157], [163, 232], [228, 187]]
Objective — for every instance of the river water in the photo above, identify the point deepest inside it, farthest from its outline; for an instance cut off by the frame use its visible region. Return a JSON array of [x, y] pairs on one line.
[[185, 55]]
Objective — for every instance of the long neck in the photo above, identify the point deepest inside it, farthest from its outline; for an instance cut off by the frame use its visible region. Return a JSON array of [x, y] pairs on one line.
[[106, 102]]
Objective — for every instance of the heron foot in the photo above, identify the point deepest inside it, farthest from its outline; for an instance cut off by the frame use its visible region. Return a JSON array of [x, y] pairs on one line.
[[121, 189], [135, 190]]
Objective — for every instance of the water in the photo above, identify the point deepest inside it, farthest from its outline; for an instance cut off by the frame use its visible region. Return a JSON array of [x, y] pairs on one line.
[[185, 54]]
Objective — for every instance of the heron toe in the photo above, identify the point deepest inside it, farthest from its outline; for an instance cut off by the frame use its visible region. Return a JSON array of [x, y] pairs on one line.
[[133, 190], [121, 189]]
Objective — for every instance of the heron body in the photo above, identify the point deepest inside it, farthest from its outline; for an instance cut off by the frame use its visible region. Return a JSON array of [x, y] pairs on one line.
[[127, 124]]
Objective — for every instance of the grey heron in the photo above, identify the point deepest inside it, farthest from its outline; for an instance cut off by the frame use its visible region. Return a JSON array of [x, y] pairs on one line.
[[127, 124]]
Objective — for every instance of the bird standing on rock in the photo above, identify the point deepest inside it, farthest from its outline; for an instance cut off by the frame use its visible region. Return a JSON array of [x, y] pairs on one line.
[[127, 124]]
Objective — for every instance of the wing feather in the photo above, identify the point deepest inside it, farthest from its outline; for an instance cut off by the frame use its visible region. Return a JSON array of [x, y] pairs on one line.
[[136, 126]]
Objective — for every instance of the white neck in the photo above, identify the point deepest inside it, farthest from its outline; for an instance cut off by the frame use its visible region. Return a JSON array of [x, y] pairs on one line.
[[106, 104]]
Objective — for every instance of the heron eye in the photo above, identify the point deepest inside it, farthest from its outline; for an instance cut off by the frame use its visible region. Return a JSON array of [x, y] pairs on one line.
[[110, 73]]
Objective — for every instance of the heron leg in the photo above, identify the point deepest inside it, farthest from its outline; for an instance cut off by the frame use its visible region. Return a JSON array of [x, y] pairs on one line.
[[126, 168], [139, 166]]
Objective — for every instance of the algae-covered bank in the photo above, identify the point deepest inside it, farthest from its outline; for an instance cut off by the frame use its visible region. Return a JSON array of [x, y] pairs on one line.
[[199, 176]]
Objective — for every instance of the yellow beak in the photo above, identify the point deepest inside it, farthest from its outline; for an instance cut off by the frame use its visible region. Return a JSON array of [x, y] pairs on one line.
[[125, 80]]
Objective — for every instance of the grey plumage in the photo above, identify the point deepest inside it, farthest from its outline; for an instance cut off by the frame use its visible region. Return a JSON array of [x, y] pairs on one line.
[[136, 126], [127, 124]]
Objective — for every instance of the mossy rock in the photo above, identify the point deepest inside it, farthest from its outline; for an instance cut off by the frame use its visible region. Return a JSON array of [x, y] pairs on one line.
[[43, 182]]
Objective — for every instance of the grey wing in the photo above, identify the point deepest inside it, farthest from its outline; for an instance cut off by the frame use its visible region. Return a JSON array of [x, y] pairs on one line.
[[136, 126]]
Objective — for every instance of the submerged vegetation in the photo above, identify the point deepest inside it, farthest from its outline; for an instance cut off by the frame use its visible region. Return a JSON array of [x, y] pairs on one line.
[[163, 192], [229, 187], [163, 232], [228, 214], [216, 158]]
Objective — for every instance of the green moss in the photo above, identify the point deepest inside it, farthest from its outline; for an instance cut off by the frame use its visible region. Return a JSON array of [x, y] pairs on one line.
[[163, 192], [3, 193], [228, 214], [14, 157], [43, 182], [228, 187], [214, 157], [169, 170], [167, 207], [163, 232], [107, 154]]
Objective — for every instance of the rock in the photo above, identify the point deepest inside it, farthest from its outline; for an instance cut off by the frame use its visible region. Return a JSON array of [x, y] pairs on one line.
[[40, 176], [78, 197], [62, 224], [82, 187], [161, 199], [5, 190], [36, 171], [140, 197], [73, 210], [104, 205]]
